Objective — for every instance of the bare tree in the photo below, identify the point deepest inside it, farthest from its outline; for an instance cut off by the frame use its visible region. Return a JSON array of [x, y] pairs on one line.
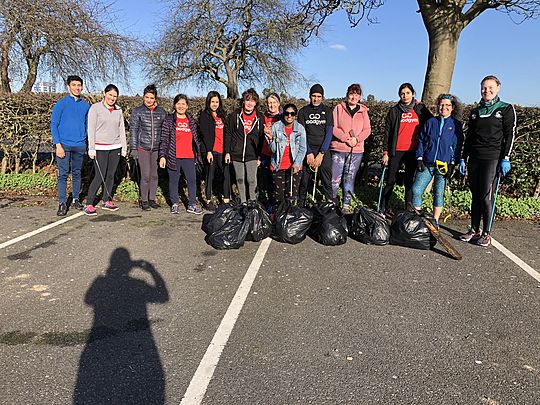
[[227, 41], [444, 21], [60, 36]]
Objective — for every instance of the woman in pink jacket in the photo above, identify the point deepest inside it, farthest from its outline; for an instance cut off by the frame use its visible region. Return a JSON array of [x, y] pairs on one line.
[[351, 128]]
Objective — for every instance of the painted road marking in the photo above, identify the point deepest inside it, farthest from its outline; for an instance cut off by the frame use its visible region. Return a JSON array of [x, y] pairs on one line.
[[199, 383], [42, 229], [532, 272]]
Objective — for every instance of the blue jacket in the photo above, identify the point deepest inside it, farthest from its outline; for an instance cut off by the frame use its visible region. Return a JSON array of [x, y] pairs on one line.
[[69, 121], [298, 144], [438, 142]]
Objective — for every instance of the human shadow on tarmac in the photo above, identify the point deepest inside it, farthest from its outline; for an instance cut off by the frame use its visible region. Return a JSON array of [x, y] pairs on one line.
[[120, 363]]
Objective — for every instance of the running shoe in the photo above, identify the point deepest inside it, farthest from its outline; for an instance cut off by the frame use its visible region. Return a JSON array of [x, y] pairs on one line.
[[90, 210], [210, 206], [174, 209], [77, 205], [346, 209], [145, 206], [153, 204], [108, 205], [485, 240], [62, 210], [471, 236], [193, 209]]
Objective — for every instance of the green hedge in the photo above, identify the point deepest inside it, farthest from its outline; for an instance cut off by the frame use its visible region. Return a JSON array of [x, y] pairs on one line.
[[24, 130]]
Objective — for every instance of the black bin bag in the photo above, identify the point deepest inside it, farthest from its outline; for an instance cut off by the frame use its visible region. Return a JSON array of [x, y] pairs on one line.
[[408, 229], [226, 228], [328, 228], [292, 223], [258, 221], [369, 227]]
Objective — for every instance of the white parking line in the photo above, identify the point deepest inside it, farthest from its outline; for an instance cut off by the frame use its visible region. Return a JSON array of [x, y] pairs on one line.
[[199, 383], [532, 272], [42, 229]]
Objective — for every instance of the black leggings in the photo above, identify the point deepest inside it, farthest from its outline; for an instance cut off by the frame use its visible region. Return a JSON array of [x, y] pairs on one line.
[[482, 181], [218, 169], [409, 159], [282, 185], [105, 164]]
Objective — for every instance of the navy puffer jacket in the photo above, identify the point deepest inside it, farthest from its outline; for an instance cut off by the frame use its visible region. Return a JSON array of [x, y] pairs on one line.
[[145, 127], [167, 147]]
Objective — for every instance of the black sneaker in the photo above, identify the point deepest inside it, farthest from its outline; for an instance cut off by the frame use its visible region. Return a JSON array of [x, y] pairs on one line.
[[62, 210], [145, 206], [210, 207], [153, 204], [76, 205]]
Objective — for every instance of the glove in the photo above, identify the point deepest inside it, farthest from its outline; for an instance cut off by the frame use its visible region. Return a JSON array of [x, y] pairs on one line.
[[462, 167], [420, 165], [134, 153], [505, 167], [450, 171]]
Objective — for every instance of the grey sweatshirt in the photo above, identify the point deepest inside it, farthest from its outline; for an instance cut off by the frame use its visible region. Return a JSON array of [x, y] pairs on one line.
[[106, 127]]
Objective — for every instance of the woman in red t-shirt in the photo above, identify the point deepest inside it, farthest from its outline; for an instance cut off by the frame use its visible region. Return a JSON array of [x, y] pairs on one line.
[[212, 126], [403, 124], [180, 149]]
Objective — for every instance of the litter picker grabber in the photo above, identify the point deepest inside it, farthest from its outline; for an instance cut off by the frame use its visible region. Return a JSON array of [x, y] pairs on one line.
[[494, 202], [314, 184], [138, 181], [102, 178], [381, 189], [451, 250]]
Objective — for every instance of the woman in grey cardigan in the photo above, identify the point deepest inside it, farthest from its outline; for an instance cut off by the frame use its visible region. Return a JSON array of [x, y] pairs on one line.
[[106, 143]]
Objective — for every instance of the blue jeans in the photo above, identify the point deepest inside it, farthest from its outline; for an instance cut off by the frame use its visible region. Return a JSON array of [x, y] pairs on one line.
[[345, 165], [421, 182], [74, 157]]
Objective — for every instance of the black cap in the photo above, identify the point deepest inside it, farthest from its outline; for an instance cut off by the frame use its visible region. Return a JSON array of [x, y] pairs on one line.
[[316, 88]]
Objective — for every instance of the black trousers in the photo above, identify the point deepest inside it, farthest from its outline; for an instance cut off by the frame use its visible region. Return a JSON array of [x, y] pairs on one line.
[[220, 171], [324, 175], [482, 180], [105, 165], [409, 159]]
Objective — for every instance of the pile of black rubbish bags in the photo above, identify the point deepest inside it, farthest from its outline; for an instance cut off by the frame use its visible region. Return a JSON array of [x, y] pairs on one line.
[[232, 224]]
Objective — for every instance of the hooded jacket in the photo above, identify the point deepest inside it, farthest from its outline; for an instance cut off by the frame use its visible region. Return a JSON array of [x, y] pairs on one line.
[[438, 142], [393, 120], [344, 123], [240, 146]]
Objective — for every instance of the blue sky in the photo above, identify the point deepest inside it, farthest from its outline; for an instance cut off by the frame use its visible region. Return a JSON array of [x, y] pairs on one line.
[[382, 56]]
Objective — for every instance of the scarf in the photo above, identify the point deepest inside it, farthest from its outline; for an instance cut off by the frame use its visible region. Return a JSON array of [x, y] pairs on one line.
[[406, 107]]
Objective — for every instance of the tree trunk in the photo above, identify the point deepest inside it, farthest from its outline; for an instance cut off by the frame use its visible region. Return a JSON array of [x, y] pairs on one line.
[[232, 89], [5, 85], [536, 193], [444, 25], [31, 76], [17, 164], [5, 161]]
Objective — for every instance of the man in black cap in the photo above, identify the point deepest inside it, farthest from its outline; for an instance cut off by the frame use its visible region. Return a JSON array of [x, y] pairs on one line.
[[318, 121]]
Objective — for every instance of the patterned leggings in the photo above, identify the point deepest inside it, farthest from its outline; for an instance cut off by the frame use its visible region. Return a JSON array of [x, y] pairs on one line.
[[345, 165]]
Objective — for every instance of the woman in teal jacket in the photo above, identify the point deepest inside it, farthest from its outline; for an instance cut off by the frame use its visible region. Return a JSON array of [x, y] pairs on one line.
[[441, 140], [287, 142]]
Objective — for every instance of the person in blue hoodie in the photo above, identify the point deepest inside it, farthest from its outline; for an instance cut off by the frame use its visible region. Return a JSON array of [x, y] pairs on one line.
[[439, 148], [288, 145], [68, 128]]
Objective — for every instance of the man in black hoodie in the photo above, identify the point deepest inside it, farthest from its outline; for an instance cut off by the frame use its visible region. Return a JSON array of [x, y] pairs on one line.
[[318, 121]]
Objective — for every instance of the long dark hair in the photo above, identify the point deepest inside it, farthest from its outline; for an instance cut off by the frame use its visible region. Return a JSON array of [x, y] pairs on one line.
[[220, 111]]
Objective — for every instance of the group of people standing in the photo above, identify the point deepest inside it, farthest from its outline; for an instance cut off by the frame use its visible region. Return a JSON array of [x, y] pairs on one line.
[[284, 152]]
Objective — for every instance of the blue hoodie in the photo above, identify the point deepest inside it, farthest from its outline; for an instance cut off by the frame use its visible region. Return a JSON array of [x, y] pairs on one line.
[[69, 121]]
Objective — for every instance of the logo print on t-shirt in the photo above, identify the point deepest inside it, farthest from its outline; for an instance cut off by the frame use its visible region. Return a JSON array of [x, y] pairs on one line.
[[409, 118], [182, 126], [219, 123]]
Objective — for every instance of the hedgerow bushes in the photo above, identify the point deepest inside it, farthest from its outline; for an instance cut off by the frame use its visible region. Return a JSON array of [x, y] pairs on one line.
[[25, 135]]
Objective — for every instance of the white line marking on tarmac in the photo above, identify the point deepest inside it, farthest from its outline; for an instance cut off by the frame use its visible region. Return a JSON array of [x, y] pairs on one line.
[[42, 229], [201, 379], [532, 272]]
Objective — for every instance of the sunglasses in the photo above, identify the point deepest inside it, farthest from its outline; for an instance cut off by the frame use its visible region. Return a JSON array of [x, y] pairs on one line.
[[289, 113]]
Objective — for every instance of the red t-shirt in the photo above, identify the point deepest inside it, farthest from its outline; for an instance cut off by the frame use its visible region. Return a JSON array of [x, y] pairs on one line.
[[249, 120], [268, 121], [184, 139], [218, 141], [286, 160], [409, 127]]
